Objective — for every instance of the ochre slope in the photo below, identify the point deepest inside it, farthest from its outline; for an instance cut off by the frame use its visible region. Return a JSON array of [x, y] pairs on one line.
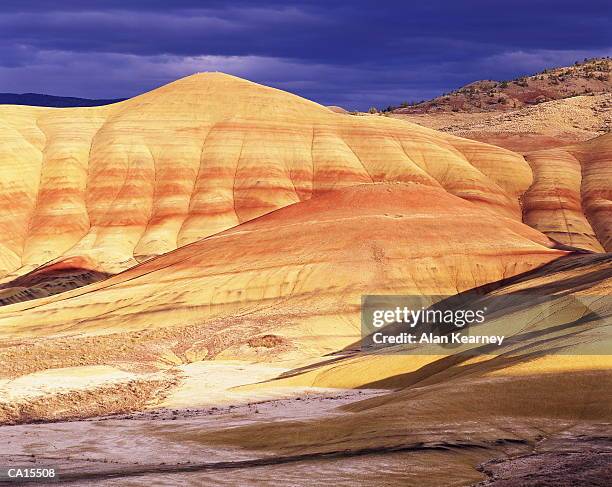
[[556, 347], [571, 196], [121, 183], [298, 272], [543, 385]]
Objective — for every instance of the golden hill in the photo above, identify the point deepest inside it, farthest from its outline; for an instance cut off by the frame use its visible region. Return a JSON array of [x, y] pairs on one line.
[[121, 183], [297, 273], [551, 384], [96, 190]]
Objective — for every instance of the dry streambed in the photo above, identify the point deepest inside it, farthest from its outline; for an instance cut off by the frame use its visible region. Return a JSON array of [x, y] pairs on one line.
[[141, 449]]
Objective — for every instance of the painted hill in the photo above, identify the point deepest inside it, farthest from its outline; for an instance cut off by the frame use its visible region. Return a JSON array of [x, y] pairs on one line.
[[270, 276], [570, 199], [94, 191], [115, 185]]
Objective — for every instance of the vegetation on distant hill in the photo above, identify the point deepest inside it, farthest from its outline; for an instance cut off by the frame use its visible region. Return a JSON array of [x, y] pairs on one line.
[[591, 76]]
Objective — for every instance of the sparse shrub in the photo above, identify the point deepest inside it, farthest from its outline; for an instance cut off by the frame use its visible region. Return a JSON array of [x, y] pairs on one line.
[[266, 341], [373, 110]]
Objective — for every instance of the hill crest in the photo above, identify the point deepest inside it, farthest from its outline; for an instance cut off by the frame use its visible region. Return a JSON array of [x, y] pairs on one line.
[[591, 76]]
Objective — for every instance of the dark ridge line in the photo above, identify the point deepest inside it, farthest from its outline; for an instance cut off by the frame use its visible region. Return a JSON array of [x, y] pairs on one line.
[[52, 101]]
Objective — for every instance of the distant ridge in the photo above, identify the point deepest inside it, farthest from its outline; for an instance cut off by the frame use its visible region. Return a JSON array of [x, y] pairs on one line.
[[40, 100], [590, 77], [552, 108]]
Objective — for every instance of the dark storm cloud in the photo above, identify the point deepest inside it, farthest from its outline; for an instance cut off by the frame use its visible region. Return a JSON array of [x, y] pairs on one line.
[[357, 53]]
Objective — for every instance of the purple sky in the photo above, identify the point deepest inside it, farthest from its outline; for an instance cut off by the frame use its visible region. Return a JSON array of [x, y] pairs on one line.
[[351, 53]]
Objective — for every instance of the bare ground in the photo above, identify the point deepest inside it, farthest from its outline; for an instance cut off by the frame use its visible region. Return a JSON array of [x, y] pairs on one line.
[[135, 449]]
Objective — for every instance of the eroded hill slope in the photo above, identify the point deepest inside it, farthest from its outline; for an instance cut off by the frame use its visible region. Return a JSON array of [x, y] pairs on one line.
[[118, 184], [297, 273], [571, 196]]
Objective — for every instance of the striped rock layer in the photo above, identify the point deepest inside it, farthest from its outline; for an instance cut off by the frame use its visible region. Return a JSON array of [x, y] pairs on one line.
[[298, 272], [571, 197], [115, 185]]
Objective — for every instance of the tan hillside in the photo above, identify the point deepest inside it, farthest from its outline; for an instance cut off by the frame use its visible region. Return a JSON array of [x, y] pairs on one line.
[[550, 109], [546, 125]]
